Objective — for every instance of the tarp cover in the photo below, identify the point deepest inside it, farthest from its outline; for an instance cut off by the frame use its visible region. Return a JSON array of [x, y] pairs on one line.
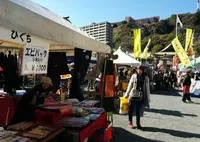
[[27, 16]]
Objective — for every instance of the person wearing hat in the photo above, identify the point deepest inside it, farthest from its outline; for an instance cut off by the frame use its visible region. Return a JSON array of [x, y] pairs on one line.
[[34, 97], [186, 86]]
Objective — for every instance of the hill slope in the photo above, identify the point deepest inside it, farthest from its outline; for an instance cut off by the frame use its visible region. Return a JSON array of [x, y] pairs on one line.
[[161, 33]]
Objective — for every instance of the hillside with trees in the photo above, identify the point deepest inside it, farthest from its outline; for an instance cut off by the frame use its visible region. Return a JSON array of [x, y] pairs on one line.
[[161, 33]]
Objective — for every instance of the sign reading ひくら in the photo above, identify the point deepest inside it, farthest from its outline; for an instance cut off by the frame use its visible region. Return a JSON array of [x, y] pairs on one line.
[[35, 59]]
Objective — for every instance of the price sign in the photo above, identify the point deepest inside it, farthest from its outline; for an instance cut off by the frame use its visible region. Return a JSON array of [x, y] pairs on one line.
[[35, 59]]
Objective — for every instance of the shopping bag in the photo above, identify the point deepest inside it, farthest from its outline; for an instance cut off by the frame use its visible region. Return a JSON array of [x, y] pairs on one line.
[[123, 105]]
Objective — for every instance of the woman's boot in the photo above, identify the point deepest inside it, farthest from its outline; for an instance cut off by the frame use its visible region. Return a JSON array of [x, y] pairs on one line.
[[139, 125]]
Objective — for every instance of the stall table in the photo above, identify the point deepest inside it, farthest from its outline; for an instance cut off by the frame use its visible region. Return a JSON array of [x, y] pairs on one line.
[[51, 117], [88, 131], [33, 131], [8, 106], [56, 132]]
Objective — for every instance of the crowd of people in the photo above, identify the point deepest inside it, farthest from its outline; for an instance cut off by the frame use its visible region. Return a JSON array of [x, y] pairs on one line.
[[165, 79]]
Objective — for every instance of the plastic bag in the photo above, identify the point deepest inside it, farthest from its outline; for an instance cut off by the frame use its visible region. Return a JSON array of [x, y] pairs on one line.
[[123, 105]]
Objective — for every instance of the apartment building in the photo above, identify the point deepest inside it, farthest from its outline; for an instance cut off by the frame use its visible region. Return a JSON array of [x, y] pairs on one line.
[[102, 32]]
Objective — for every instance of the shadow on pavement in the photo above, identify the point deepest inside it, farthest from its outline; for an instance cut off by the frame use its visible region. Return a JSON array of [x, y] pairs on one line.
[[194, 103], [122, 135], [170, 112], [175, 133], [170, 92]]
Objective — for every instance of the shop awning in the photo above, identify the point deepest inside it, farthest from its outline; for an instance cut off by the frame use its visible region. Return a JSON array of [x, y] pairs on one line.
[[124, 59], [31, 18]]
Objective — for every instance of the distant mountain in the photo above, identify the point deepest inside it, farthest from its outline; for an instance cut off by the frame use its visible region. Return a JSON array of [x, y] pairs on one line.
[[161, 33]]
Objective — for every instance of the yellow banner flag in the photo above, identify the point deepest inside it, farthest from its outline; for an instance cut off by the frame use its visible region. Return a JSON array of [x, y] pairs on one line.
[[188, 40], [180, 51], [145, 52], [190, 49], [137, 43]]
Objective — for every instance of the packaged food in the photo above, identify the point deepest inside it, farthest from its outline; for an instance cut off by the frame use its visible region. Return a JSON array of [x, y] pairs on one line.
[[4, 133], [14, 138], [21, 126], [38, 132]]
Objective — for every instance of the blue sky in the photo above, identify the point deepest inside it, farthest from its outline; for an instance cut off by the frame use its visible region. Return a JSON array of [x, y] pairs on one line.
[[84, 12]]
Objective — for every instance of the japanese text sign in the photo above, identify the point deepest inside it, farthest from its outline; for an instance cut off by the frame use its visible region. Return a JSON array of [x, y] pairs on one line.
[[35, 59]]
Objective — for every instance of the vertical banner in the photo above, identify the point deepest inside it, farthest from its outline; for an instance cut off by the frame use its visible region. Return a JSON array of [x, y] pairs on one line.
[[137, 43], [190, 50], [145, 52], [180, 51], [189, 41], [35, 59]]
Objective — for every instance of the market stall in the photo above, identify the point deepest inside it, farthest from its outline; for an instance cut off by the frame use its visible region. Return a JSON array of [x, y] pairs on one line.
[[37, 31]]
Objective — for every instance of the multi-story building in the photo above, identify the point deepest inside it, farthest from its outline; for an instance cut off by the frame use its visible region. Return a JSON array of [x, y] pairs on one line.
[[102, 32]]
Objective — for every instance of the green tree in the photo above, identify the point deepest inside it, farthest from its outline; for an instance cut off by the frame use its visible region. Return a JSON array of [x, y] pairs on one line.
[[163, 27]]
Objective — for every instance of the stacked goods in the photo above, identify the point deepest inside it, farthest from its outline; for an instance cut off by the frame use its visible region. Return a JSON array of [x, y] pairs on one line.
[[64, 86], [95, 110], [75, 122]]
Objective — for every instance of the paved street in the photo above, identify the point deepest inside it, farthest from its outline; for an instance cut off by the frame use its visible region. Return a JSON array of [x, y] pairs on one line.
[[168, 120]]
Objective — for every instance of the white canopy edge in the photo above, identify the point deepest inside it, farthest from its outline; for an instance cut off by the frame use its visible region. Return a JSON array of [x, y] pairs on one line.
[[31, 18]]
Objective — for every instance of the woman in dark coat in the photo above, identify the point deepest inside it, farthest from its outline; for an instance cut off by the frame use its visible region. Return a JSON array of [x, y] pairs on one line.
[[138, 82]]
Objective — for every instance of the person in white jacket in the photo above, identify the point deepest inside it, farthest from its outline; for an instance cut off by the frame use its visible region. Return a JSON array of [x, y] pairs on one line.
[[140, 82]]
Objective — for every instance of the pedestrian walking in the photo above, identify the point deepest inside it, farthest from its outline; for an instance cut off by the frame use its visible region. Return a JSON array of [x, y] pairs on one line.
[[138, 96], [186, 86]]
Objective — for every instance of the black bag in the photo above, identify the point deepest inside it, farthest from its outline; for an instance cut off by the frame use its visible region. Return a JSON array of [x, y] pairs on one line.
[[137, 95]]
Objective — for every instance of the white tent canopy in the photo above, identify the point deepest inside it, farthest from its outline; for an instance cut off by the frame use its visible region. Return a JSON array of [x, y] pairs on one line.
[[124, 59], [28, 17]]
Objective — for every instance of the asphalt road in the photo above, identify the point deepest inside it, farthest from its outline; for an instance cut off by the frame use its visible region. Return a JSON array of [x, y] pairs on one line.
[[168, 120]]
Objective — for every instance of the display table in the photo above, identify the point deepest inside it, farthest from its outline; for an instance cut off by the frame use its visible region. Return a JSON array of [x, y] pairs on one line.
[[47, 117], [87, 132], [51, 117], [29, 131], [8, 106], [57, 130]]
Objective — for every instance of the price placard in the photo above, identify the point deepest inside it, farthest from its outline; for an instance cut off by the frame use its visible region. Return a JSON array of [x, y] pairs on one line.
[[35, 59]]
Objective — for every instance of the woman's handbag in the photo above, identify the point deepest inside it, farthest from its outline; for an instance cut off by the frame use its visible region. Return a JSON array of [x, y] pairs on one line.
[[137, 95]]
